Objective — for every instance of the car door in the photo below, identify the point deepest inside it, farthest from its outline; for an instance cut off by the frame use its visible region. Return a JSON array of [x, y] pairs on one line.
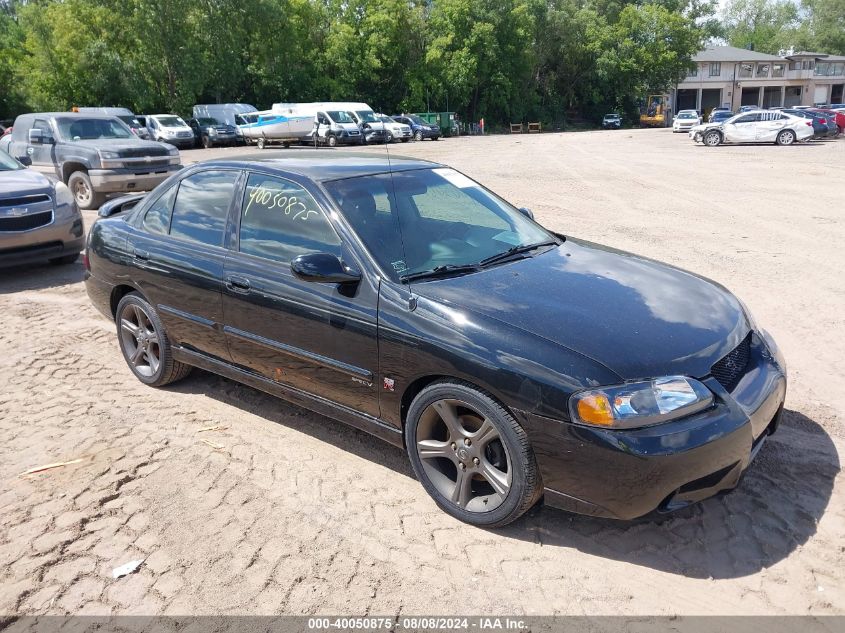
[[41, 154], [768, 126], [743, 129], [177, 250], [314, 337]]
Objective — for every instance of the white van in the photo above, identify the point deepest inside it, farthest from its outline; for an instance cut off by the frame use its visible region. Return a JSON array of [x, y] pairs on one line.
[[170, 128]]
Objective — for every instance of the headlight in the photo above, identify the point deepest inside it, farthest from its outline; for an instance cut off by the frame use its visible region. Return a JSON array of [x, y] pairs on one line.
[[212, 132], [641, 403], [109, 155], [173, 151], [63, 196]]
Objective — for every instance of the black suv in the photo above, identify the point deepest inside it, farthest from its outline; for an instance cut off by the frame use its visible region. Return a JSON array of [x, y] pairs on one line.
[[407, 300], [209, 132]]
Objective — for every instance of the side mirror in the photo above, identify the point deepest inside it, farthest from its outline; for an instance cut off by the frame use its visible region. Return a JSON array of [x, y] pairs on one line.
[[528, 213], [35, 137], [323, 268], [26, 161]]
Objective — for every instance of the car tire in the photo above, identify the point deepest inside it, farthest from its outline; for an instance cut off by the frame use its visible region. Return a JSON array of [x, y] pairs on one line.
[[64, 260], [206, 142], [712, 138], [331, 140], [470, 454], [144, 343], [261, 143], [388, 138], [418, 136], [83, 191], [286, 145], [785, 137]]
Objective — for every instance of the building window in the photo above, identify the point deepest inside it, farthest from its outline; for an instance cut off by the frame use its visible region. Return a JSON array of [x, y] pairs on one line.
[[715, 69], [762, 70], [777, 70], [746, 71], [838, 69], [693, 72], [808, 64], [794, 65]]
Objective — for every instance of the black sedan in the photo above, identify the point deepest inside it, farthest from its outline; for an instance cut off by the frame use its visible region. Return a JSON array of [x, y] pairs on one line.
[[407, 300]]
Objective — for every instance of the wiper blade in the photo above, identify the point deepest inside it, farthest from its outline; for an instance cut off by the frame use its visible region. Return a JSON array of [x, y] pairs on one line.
[[441, 271], [516, 250]]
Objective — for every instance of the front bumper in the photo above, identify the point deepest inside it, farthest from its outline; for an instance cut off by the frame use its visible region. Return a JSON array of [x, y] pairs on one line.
[[223, 139], [346, 139], [136, 179], [59, 238], [628, 474]]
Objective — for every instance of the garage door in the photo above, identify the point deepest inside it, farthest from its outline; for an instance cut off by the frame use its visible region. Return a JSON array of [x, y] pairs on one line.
[[820, 94]]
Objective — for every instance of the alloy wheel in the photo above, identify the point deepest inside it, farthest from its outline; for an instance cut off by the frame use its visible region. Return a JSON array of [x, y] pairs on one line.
[[787, 137], [140, 340], [463, 456]]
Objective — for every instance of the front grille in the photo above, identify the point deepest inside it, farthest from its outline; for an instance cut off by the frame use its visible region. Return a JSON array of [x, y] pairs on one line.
[[142, 152], [26, 222], [730, 369], [24, 200]]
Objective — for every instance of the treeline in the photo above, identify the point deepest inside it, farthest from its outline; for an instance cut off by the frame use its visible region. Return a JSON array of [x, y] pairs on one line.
[[505, 60]]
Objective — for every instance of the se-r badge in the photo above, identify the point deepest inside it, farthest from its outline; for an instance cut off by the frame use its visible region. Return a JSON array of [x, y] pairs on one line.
[[389, 384]]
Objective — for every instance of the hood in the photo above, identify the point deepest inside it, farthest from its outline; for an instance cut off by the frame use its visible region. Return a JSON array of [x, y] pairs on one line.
[[23, 182], [638, 317], [120, 144], [348, 126]]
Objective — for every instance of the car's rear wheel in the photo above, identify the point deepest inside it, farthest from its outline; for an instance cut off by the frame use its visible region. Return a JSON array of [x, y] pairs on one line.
[[786, 137], [471, 455], [712, 139], [261, 143], [83, 191], [144, 343]]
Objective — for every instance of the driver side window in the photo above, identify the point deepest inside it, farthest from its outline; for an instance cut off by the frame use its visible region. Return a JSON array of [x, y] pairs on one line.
[[157, 218]]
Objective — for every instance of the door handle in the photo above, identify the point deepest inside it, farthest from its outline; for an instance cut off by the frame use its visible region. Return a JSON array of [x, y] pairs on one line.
[[237, 283], [140, 254]]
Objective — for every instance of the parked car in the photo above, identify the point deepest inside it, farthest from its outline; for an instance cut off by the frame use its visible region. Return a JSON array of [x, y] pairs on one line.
[[92, 154], [395, 130], [761, 126], [717, 116], [747, 108], [838, 118], [684, 120], [225, 113], [420, 128], [337, 282], [39, 219], [823, 126], [209, 132], [124, 114], [371, 127], [611, 121], [169, 128]]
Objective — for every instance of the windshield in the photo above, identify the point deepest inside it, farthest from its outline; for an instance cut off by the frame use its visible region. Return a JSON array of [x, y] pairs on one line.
[[416, 119], [446, 219], [208, 121], [385, 119], [366, 116], [7, 163], [687, 115], [339, 116], [76, 129], [170, 121], [131, 121], [611, 116]]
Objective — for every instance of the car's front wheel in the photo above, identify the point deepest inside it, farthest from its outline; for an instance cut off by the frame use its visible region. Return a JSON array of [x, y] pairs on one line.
[[144, 343], [206, 142], [83, 191], [786, 137], [471, 455], [712, 139], [418, 136]]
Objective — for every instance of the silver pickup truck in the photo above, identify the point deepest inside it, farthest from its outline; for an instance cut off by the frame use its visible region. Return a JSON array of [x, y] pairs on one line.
[[92, 154]]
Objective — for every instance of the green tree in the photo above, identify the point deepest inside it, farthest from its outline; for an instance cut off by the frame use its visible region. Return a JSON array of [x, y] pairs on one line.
[[826, 32], [11, 55], [767, 26]]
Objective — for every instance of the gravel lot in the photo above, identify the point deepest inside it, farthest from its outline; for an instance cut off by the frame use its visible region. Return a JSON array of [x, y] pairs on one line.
[[289, 512]]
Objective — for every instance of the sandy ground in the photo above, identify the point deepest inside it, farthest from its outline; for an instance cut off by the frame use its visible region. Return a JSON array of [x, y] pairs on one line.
[[290, 512]]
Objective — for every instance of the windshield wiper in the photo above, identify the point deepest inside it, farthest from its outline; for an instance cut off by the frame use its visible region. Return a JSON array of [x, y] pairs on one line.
[[516, 250], [441, 271]]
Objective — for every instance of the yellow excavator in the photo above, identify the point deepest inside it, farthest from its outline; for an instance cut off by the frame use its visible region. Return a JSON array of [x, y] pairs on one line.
[[655, 111]]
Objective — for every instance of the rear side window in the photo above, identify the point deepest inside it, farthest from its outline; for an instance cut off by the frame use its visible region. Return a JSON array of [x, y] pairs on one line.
[[202, 204], [157, 217], [281, 221]]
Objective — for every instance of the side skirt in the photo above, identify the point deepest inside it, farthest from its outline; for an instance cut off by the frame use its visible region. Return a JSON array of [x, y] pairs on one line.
[[366, 423]]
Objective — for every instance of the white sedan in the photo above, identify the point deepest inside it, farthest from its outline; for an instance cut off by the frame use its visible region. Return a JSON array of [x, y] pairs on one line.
[[757, 126], [395, 130], [685, 120]]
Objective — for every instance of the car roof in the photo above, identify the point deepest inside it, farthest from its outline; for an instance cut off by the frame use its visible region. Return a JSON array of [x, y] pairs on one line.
[[325, 165]]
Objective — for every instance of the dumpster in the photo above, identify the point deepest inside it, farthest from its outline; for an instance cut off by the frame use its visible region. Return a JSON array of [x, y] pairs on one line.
[[446, 121]]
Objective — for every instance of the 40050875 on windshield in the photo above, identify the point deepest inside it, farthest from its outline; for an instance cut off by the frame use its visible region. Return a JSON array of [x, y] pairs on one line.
[[512, 363]]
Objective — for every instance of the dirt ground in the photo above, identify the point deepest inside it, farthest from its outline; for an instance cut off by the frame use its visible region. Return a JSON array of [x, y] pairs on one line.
[[285, 511]]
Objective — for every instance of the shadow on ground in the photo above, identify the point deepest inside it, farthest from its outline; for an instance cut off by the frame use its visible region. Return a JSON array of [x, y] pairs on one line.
[[774, 510], [39, 276]]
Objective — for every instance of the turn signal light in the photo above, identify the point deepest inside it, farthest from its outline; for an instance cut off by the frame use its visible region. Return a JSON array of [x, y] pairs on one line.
[[595, 409]]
